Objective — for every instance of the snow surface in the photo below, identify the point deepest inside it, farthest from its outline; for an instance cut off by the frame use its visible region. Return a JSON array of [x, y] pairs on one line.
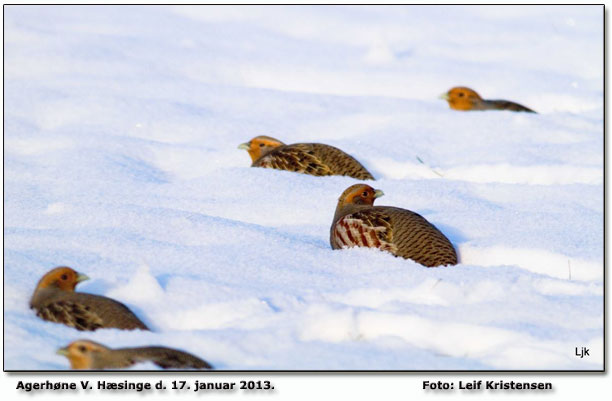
[[121, 128]]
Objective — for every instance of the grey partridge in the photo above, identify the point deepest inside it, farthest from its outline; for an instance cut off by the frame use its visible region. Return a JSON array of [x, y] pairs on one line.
[[55, 300], [307, 158], [466, 99], [85, 354], [357, 222]]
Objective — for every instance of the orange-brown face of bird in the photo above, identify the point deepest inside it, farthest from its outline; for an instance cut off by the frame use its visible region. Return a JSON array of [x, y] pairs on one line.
[[359, 194], [260, 145], [81, 353], [462, 98], [61, 277]]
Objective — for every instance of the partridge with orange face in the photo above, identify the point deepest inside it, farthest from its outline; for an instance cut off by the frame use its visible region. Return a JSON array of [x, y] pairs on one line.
[[466, 99], [307, 158], [358, 222], [55, 300], [84, 354]]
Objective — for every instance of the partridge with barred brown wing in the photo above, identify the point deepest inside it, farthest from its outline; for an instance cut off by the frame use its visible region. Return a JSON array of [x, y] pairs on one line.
[[402, 232], [55, 300], [84, 354], [466, 99], [307, 158]]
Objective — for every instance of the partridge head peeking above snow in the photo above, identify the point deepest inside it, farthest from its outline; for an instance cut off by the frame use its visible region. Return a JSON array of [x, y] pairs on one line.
[[55, 300], [85, 354], [307, 158], [357, 222], [466, 99]]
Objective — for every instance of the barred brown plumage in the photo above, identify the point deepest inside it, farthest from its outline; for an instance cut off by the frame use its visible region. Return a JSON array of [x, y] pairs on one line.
[[55, 300], [85, 354], [466, 99], [307, 158], [357, 222]]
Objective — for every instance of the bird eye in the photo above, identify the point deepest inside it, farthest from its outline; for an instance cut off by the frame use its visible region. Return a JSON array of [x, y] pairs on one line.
[[261, 145], [82, 348], [461, 94], [64, 277], [365, 194]]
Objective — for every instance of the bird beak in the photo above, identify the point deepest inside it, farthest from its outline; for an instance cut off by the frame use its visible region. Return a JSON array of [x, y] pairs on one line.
[[378, 193], [444, 96], [81, 277], [62, 351], [245, 146]]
